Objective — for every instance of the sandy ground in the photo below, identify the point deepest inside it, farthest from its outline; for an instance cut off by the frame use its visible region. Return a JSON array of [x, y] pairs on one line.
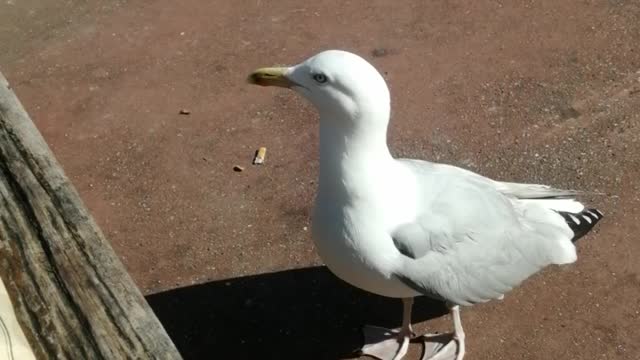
[[534, 91]]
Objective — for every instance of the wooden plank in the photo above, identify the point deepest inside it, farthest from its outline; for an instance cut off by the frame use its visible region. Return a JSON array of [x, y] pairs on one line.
[[70, 292]]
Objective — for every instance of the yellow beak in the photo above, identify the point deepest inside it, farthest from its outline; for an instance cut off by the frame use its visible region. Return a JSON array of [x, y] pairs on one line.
[[273, 76]]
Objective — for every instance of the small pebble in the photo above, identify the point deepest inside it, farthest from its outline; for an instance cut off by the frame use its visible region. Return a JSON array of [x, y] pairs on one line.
[[379, 52], [185, 112]]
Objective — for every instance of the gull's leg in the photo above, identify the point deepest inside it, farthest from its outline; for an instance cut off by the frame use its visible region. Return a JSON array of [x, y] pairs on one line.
[[389, 344], [406, 333], [446, 346], [458, 334]]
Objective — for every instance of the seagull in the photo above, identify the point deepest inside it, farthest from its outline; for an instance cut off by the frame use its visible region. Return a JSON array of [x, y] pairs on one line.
[[403, 228]]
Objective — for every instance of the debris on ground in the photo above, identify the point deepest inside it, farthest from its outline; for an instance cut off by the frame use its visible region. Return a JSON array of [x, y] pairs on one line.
[[260, 154]]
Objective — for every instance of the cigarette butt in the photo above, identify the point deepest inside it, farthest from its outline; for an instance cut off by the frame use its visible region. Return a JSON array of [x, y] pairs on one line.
[[238, 168], [260, 154]]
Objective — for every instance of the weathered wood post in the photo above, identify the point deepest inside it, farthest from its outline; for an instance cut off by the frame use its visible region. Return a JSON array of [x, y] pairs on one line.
[[71, 294]]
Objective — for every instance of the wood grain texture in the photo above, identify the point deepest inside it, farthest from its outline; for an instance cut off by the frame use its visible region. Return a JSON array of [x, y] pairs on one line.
[[72, 295]]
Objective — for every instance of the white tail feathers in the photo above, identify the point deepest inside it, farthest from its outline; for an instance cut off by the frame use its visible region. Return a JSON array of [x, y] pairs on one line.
[[566, 252]]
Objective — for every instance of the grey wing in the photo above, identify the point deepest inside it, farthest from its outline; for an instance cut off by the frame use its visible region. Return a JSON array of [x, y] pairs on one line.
[[534, 191], [412, 240], [470, 270], [472, 243]]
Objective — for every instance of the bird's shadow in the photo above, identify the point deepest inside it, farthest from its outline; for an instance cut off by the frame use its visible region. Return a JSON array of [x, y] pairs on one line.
[[295, 314]]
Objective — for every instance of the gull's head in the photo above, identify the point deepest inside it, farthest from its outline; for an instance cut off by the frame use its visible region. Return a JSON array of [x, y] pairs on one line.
[[342, 86]]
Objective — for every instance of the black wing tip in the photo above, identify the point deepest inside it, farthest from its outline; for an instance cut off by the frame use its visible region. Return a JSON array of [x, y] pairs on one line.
[[581, 223]]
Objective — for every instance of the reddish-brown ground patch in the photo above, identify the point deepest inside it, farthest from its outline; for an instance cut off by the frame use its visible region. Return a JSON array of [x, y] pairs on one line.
[[537, 91]]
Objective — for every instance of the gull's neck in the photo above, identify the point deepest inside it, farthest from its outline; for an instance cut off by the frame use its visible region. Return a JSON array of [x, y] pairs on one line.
[[352, 157]]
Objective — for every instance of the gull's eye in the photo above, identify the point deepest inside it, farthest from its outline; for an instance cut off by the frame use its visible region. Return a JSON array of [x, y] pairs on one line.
[[320, 78]]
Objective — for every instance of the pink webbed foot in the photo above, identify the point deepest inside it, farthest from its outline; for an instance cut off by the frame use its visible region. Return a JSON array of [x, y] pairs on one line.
[[440, 347], [385, 344]]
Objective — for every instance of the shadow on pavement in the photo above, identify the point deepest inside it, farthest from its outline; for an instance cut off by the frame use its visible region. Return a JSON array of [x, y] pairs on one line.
[[296, 314]]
